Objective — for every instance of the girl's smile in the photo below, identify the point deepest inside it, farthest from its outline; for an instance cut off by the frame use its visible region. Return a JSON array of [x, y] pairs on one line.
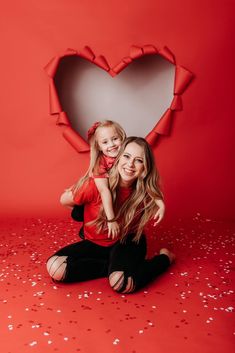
[[108, 140]]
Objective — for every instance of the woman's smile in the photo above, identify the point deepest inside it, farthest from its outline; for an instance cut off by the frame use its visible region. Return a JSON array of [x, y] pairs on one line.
[[131, 163]]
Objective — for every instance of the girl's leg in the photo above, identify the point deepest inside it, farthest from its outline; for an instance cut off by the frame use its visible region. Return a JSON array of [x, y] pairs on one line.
[[77, 213], [79, 262], [129, 271]]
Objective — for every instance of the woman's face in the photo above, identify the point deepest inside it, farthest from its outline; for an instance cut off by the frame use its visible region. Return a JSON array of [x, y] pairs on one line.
[[131, 164]]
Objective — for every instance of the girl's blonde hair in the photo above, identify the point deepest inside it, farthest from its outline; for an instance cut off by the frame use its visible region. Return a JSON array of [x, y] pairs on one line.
[[141, 206], [95, 152]]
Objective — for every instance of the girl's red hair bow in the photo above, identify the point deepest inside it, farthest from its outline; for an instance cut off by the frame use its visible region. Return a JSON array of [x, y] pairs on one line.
[[92, 129]]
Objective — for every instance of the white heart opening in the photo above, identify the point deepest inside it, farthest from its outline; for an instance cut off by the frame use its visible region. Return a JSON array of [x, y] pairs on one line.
[[136, 98]]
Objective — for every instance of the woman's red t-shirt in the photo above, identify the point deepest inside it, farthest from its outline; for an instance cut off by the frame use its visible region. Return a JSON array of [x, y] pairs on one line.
[[89, 196]]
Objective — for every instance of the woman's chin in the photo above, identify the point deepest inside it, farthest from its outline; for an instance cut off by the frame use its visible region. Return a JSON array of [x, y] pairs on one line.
[[128, 179]]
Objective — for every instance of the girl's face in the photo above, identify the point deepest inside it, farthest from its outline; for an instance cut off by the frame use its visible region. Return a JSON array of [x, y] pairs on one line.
[[131, 164], [108, 140]]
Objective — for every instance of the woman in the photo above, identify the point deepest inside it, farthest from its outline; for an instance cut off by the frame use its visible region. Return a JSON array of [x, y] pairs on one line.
[[133, 183]]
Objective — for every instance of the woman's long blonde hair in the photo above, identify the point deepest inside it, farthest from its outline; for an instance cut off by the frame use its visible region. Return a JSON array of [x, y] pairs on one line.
[[95, 152], [141, 205]]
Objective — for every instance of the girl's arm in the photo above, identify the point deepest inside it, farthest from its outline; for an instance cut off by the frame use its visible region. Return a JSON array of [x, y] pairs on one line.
[[160, 212], [106, 197]]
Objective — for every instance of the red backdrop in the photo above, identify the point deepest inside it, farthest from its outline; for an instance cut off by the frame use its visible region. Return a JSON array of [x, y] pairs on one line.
[[196, 161]]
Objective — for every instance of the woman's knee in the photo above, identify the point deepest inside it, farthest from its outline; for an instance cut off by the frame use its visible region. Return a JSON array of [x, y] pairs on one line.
[[56, 267], [129, 287], [119, 283]]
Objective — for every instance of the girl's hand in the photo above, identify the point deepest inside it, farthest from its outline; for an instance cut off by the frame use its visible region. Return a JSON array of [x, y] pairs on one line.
[[160, 212], [113, 230]]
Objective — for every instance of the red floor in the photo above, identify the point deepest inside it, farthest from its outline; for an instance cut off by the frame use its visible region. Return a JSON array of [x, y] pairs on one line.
[[188, 309]]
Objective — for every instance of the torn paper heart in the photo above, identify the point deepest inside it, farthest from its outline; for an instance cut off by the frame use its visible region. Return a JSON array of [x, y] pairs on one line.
[[182, 79]]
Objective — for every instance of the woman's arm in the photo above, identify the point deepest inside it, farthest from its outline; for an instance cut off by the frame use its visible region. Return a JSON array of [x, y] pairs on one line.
[[66, 198], [160, 212], [106, 197]]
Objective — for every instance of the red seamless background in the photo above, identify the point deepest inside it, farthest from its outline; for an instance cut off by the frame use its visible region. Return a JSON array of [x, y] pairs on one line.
[[196, 161]]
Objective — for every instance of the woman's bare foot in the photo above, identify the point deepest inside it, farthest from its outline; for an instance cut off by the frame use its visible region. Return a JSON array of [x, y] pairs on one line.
[[168, 253]]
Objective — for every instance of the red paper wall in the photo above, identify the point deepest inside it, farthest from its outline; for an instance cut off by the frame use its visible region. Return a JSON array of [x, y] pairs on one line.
[[196, 161]]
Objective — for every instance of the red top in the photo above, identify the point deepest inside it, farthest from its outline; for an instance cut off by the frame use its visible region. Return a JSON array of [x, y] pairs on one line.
[[89, 196], [105, 164]]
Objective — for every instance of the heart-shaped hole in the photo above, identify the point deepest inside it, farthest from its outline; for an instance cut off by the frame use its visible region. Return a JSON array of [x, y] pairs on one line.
[[136, 98]]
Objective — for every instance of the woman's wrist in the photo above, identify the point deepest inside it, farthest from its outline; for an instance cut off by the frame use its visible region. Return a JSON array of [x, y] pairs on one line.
[[111, 220]]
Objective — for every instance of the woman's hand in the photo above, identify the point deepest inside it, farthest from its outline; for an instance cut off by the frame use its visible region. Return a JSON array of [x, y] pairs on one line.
[[160, 212], [113, 230]]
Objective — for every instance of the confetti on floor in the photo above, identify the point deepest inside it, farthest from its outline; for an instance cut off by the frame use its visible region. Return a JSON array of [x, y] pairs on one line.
[[188, 309]]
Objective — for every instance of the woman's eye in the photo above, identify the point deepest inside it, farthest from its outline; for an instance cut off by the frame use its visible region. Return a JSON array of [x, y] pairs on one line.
[[126, 156], [139, 161]]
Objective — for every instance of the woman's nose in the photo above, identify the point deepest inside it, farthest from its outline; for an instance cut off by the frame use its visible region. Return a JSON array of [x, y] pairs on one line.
[[130, 162]]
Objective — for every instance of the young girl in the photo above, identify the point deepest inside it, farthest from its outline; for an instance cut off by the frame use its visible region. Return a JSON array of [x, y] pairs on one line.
[[105, 138]]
